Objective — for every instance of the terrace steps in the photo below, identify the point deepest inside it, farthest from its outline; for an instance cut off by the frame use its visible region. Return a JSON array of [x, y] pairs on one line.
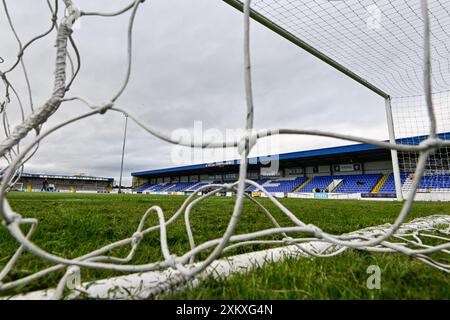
[[303, 184], [380, 183]]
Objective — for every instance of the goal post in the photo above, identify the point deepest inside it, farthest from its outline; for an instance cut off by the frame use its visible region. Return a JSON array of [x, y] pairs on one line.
[[394, 154]]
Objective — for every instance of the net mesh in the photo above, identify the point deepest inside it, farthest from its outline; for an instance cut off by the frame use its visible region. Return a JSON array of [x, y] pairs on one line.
[[395, 59], [412, 127], [381, 41]]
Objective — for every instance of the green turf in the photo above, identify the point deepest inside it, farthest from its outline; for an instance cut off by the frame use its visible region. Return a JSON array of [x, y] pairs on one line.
[[71, 225]]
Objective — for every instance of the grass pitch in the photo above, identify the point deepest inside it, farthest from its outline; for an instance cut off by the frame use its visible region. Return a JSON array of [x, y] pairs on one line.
[[71, 225]]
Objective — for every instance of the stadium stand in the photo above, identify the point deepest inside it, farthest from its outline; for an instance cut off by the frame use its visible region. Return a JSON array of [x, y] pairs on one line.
[[261, 182], [438, 181], [33, 182], [283, 185], [320, 182], [144, 187], [347, 183], [180, 186], [197, 185], [358, 183], [429, 182], [357, 168], [389, 185], [160, 187]]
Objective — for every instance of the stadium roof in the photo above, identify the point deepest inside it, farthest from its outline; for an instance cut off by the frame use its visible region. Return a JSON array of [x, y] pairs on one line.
[[299, 155], [282, 156]]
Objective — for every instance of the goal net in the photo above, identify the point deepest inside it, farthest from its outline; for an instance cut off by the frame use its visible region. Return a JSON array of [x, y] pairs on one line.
[[398, 49], [411, 128]]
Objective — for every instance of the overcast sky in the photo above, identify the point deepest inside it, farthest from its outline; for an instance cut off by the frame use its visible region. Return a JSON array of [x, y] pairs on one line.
[[188, 67]]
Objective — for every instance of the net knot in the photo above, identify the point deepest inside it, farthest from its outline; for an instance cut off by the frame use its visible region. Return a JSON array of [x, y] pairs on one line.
[[105, 107], [16, 218], [137, 237], [228, 186], [13, 218], [72, 14], [172, 262], [316, 231], [247, 143], [288, 240], [431, 143], [73, 270]]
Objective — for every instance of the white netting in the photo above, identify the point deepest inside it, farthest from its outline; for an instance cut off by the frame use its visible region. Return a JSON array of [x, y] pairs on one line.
[[389, 239], [412, 127], [381, 40]]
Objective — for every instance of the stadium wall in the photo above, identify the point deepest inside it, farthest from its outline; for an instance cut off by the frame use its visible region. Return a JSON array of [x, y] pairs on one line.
[[384, 167]]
